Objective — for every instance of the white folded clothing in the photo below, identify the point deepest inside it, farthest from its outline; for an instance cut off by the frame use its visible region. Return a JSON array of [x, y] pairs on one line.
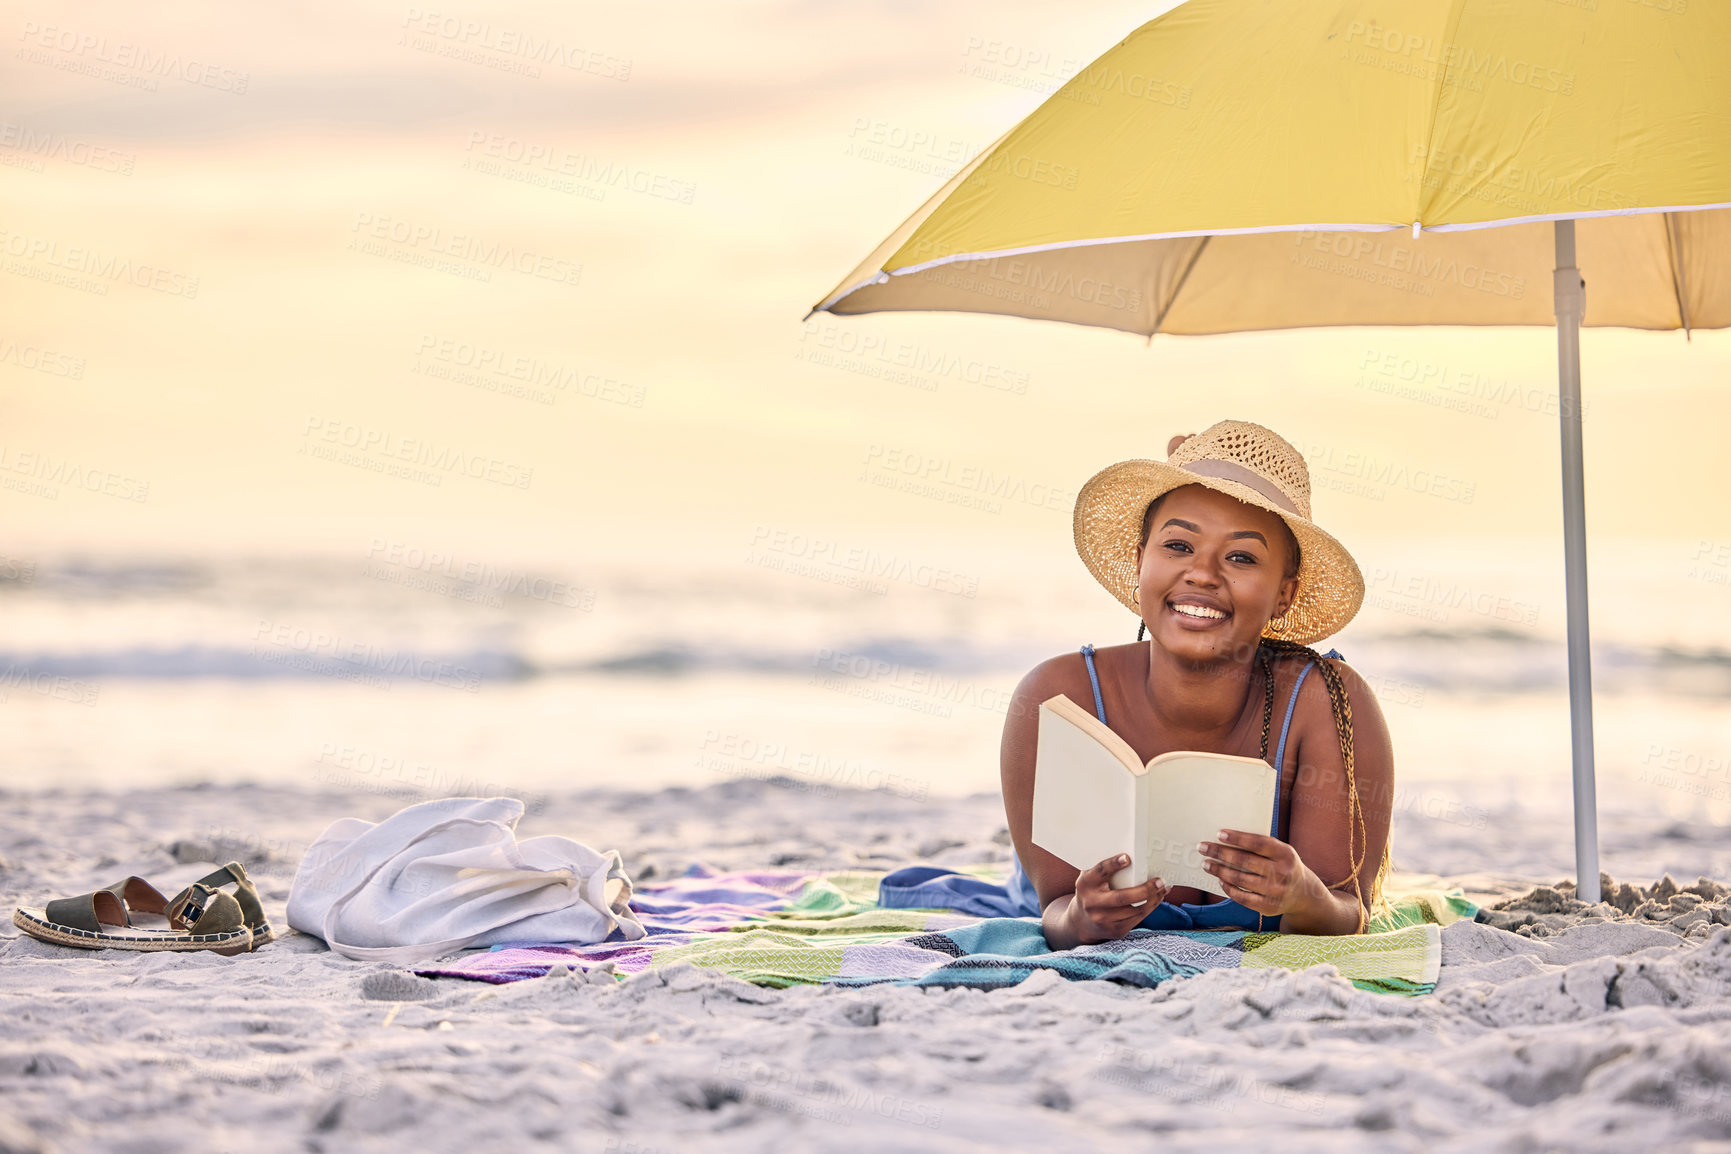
[[445, 875]]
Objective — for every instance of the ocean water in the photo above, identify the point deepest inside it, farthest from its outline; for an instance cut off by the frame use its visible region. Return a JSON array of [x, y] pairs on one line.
[[416, 677]]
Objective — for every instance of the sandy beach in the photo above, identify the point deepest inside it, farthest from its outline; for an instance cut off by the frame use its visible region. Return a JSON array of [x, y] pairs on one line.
[[1578, 1029]]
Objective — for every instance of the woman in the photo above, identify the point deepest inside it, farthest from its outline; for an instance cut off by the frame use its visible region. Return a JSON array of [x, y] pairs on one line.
[[1214, 549]]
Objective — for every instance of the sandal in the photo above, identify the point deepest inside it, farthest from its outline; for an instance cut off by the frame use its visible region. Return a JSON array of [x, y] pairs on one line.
[[199, 918], [251, 910]]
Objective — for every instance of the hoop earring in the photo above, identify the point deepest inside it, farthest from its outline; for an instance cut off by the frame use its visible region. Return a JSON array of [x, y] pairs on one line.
[[1136, 596], [1278, 624]]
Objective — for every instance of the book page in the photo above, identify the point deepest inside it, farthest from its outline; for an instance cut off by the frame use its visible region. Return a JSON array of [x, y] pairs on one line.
[[1190, 798], [1084, 793]]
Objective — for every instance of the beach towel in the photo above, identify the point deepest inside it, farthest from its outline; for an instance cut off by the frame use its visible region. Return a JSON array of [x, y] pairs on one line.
[[448, 874], [785, 929]]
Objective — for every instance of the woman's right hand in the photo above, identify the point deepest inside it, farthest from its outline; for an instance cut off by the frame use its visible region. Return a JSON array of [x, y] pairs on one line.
[[1099, 913]]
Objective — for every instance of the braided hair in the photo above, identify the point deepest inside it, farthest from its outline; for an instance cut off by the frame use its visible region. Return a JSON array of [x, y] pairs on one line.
[[1339, 705]]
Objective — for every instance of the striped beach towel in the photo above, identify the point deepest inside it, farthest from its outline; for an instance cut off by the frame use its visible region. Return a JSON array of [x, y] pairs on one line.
[[787, 928]]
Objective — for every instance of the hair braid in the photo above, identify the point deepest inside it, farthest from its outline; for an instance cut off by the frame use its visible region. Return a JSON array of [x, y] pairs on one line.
[[1341, 706]]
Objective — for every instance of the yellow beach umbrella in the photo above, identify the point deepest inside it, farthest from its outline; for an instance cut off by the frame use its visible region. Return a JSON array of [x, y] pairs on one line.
[[1238, 165]]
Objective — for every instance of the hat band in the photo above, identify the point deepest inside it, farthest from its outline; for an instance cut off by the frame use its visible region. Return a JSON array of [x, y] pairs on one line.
[[1232, 471]]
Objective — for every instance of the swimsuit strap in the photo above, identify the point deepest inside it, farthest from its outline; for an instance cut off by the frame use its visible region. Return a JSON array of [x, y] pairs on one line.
[[1094, 679], [1280, 749]]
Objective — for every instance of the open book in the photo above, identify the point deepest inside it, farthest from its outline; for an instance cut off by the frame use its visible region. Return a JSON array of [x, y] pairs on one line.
[[1093, 798]]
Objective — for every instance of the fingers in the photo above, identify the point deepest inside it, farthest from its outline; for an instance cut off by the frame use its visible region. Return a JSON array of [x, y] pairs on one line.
[[1259, 872], [1237, 859], [1102, 871], [1241, 870], [1242, 879], [1152, 890], [1116, 911], [1099, 878], [1257, 843], [1251, 855], [1239, 848], [1261, 868], [1249, 899]]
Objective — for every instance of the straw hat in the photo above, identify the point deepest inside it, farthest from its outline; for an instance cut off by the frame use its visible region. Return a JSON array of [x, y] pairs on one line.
[[1242, 460]]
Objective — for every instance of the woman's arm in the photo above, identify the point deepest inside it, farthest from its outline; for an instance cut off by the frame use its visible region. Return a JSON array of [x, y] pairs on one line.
[[1076, 906], [1308, 880]]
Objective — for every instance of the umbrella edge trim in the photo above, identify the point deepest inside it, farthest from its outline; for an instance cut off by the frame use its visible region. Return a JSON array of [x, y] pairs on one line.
[[1508, 220], [883, 275], [1087, 242]]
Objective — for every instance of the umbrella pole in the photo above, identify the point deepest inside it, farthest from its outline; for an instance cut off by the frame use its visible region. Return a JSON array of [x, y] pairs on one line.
[[1571, 306]]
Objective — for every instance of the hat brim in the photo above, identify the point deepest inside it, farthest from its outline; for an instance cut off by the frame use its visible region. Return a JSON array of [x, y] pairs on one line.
[[1108, 527]]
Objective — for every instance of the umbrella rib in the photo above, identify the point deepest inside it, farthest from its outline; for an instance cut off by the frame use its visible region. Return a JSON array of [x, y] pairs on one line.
[[1679, 279], [1179, 287], [1449, 26]]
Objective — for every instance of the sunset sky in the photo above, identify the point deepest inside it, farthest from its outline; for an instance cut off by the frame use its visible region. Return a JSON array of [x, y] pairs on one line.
[[313, 205]]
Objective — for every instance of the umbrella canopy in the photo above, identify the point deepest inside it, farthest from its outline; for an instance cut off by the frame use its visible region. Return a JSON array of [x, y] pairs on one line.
[[1233, 166]]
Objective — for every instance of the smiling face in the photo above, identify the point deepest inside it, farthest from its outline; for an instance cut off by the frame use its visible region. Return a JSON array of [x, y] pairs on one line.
[[1212, 571]]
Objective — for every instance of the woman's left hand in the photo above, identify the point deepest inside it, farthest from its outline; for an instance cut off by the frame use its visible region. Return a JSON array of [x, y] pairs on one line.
[[1261, 873]]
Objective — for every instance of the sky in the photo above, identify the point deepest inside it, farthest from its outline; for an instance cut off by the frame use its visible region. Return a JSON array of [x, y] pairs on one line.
[[302, 205]]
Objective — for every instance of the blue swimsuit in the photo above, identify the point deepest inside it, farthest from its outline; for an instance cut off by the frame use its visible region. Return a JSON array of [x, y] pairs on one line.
[[929, 887]]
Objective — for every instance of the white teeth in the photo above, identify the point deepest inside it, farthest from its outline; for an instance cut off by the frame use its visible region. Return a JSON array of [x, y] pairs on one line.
[[1198, 611]]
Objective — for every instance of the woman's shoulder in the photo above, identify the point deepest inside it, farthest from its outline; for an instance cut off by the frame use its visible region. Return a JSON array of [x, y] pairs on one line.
[[1315, 707], [1293, 663], [1067, 673]]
